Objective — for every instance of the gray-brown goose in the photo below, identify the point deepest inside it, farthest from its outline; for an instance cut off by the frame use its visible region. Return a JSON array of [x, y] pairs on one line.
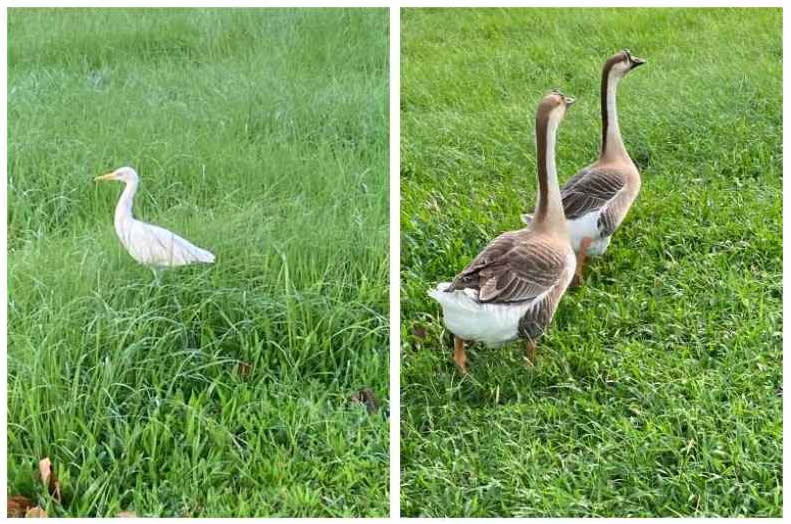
[[512, 288], [597, 199]]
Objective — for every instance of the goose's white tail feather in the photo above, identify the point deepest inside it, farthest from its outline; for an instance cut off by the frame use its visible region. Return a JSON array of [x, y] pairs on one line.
[[465, 317]]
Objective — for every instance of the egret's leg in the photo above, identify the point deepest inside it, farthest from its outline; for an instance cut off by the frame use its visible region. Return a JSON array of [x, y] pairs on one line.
[[157, 275], [583, 252], [459, 356]]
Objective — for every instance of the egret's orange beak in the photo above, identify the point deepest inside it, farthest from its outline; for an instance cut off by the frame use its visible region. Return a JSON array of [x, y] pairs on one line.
[[108, 176]]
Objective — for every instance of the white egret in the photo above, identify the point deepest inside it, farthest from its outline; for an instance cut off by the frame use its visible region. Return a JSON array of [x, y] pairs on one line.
[[150, 245]]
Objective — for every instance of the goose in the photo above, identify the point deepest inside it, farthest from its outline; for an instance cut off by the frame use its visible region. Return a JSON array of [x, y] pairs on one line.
[[597, 199], [512, 288], [148, 244]]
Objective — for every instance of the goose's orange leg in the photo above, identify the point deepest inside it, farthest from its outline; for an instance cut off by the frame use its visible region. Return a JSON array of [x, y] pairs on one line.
[[531, 352], [583, 252], [459, 356]]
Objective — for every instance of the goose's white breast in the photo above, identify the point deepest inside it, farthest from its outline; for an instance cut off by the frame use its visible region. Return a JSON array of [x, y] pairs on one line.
[[587, 226]]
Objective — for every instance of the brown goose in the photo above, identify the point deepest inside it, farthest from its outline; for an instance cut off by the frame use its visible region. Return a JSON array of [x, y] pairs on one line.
[[596, 199], [512, 288]]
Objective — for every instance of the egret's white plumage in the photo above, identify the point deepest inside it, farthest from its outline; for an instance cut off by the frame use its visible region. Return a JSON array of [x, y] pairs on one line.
[[150, 245]]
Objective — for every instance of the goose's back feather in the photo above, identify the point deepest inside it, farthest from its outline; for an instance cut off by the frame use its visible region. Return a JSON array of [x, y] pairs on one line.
[[590, 190], [515, 267], [595, 202], [510, 289]]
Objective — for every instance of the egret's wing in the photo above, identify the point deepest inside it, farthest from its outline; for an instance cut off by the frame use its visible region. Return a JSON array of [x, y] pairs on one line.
[[155, 245]]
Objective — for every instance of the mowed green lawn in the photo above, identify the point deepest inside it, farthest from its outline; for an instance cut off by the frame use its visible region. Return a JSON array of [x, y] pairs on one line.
[[658, 391], [261, 135]]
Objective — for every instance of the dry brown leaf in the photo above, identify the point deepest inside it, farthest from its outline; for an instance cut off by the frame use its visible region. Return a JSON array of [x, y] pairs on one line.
[[244, 369], [419, 332], [36, 513], [45, 469], [127, 515], [48, 478], [366, 396], [18, 505]]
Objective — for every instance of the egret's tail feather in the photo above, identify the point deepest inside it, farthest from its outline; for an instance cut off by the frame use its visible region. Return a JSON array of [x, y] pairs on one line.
[[207, 257], [203, 256]]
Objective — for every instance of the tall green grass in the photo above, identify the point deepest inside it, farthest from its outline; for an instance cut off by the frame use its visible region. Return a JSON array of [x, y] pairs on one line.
[[261, 135], [658, 390]]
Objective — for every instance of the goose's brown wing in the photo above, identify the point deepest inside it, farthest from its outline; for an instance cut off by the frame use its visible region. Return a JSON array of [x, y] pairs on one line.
[[589, 190], [515, 267]]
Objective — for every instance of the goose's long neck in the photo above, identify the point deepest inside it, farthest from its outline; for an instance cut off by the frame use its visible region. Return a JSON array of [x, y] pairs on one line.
[[549, 208], [123, 210], [611, 143]]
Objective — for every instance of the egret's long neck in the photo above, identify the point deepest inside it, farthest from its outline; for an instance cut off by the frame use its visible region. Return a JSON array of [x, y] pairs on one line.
[[123, 210], [611, 143], [549, 208]]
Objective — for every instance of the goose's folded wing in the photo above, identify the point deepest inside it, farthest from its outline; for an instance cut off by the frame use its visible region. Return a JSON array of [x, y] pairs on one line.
[[513, 270], [590, 190]]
